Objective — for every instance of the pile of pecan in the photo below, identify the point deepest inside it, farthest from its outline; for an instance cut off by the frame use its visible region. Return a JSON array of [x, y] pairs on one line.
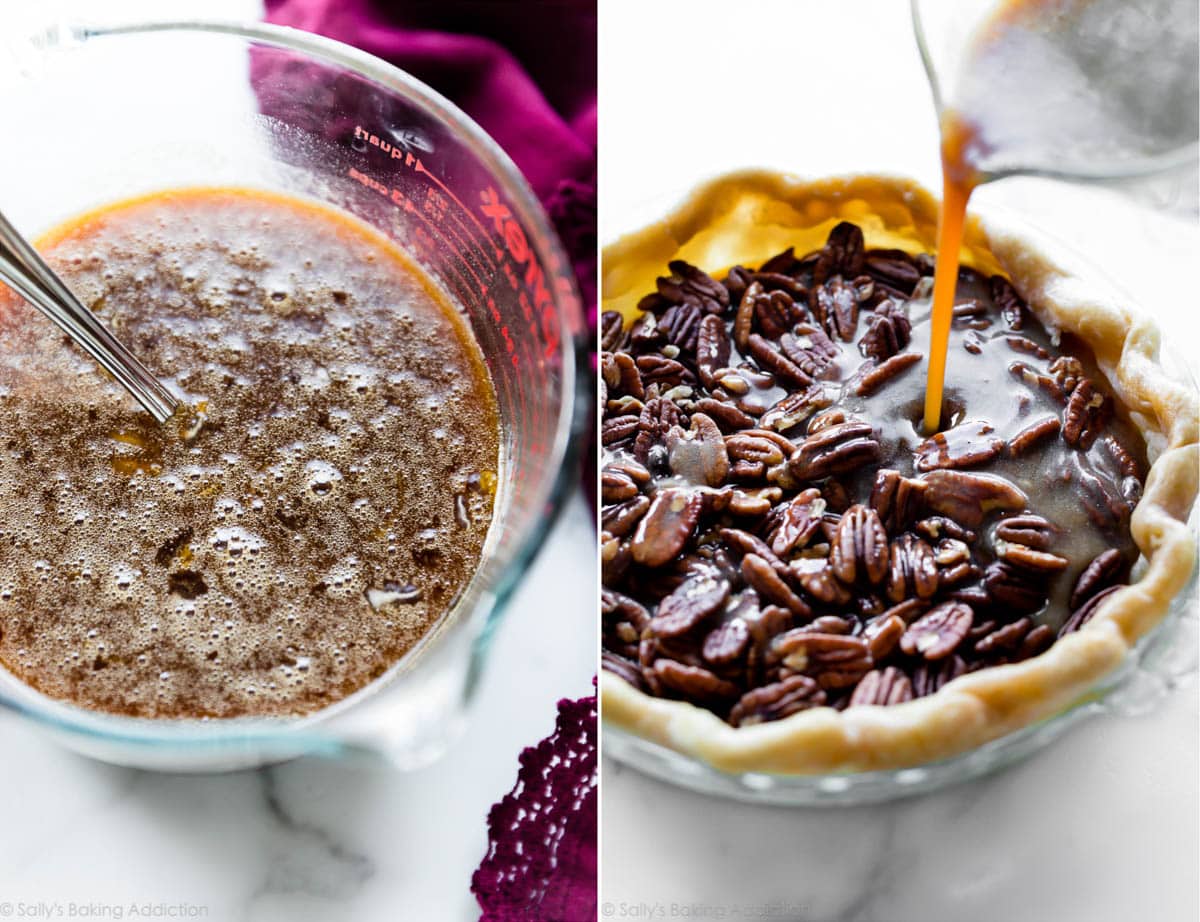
[[740, 572]]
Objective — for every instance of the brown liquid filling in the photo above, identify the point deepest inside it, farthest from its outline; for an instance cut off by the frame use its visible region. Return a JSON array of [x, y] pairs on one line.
[[295, 531]]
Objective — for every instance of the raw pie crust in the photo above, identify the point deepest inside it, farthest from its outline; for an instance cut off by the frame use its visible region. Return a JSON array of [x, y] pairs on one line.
[[748, 217]]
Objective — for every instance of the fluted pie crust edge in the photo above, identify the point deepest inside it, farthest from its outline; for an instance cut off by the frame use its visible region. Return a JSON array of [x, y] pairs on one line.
[[748, 217]]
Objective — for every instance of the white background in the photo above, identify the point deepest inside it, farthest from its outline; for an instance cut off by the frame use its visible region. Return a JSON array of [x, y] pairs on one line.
[[310, 841], [1102, 827]]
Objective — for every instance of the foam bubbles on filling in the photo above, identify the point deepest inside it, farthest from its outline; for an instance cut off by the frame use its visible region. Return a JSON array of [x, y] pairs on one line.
[[291, 536]]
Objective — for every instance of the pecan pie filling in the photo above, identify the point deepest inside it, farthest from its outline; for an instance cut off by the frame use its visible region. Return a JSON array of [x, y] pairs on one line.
[[778, 532]]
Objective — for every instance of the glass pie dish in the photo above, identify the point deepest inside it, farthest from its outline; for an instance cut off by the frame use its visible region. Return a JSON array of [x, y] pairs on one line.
[[1142, 638], [157, 106]]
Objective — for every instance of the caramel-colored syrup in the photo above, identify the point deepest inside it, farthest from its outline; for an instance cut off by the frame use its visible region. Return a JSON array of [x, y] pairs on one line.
[[317, 503], [959, 179]]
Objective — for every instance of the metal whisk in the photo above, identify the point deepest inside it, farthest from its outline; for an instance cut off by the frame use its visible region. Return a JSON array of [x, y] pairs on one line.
[[27, 273]]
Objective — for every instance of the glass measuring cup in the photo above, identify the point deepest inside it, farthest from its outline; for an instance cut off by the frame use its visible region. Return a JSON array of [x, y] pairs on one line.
[[1090, 90], [110, 113]]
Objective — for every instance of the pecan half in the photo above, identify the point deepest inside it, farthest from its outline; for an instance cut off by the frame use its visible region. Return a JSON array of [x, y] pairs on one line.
[[774, 312], [891, 686], [749, 446], [894, 268], [617, 429], [886, 371], [619, 520], [860, 547], [622, 667], [777, 701], [966, 445], [644, 334], [1105, 570], [799, 521], [623, 620], [829, 624], [769, 358], [1029, 529], [761, 577], [696, 598], [1004, 639], [794, 409], [842, 254], [680, 325], [612, 331], [883, 634], [1029, 347], [1126, 462], [1012, 308], [1085, 416], [743, 319], [816, 578], [660, 370], [656, 419], [1087, 611], [912, 571], [937, 527], [621, 375], [897, 499], [887, 335], [1038, 640], [932, 676], [667, 527], [1104, 506], [968, 497], [1067, 371], [689, 285], [744, 543], [937, 633], [835, 450], [693, 682], [1036, 379], [836, 308], [727, 417], [616, 486], [727, 643], [712, 348], [1017, 590], [834, 416], [809, 349], [1032, 434], [779, 281], [1021, 555], [698, 455], [834, 660]]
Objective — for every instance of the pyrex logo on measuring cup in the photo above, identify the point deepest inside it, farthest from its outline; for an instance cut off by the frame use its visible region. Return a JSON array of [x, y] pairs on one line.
[[447, 223]]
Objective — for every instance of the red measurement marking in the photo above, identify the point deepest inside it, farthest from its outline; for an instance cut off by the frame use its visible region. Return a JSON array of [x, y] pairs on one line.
[[521, 253], [414, 163], [420, 168], [398, 198]]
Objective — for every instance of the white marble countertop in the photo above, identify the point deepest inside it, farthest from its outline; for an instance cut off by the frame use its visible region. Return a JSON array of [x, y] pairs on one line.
[[1100, 827]]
